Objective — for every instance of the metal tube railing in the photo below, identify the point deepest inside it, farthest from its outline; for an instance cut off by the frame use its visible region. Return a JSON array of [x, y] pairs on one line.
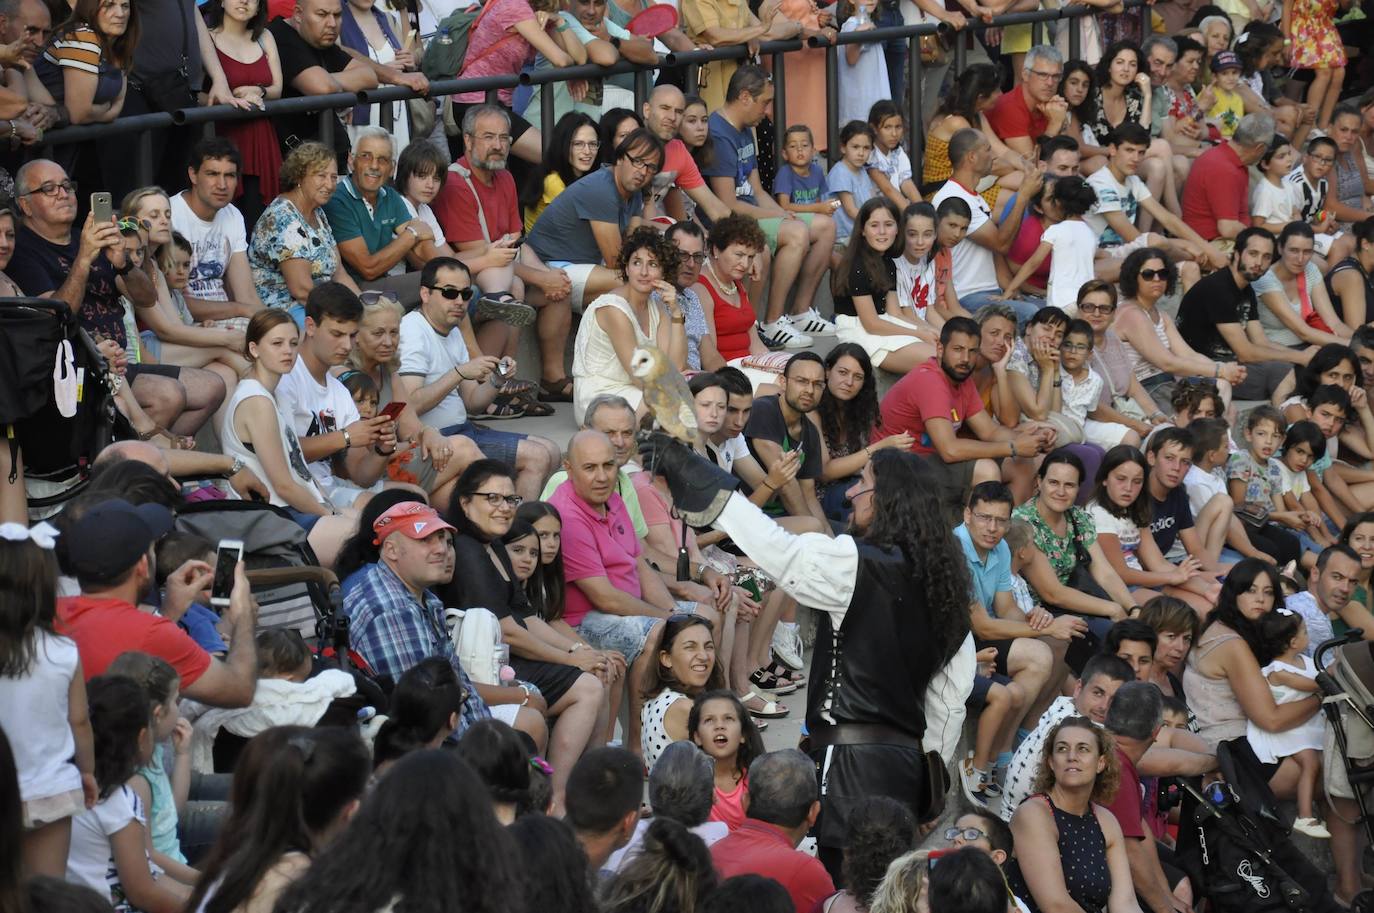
[[326, 105]]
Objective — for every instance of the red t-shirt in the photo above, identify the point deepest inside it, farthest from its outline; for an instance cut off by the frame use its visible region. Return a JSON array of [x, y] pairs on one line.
[[1217, 188], [677, 161], [926, 391], [104, 628], [1010, 117], [758, 848], [456, 209], [1128, 806]]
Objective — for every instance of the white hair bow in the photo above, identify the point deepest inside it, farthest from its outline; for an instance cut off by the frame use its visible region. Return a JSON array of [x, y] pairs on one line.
[[44, 535]]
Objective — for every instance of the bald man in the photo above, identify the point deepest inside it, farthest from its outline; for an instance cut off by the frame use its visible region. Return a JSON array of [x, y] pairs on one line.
[[662, 117], [615, 599], [193, 464]]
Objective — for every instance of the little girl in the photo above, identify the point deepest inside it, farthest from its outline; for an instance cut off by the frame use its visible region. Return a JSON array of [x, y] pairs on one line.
[[848, 179], [863, 68], [42, 700], [723, 729], [363, 389], [1272, 202], [163, 796], [1316, 45], [889, 165], [1073, 243], [545, 585], [109, 847], [174, 259], [1292, 677], [1303, 446]]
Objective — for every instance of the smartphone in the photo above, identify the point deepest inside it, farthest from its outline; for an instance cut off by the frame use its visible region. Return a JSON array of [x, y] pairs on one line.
[[392, 410], [101, 207], [228, 554]]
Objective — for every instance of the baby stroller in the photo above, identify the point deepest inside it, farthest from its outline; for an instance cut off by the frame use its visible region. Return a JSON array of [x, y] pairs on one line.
[[1234, 844], [1348, 683]]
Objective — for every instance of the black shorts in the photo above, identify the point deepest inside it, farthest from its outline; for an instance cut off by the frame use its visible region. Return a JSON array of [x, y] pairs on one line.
[[169, 371], [552, 679], [1003, 652]]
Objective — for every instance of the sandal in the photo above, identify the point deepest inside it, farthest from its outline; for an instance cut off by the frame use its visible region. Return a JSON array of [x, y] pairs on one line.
[[533, 408], [772, 710], [173, 442], [516, 387], [785, 673], [769, 681], [502, 408], [556, 391]]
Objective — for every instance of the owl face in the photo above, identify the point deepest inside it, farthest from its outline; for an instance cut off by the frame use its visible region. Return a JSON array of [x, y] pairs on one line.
[[644, 363]]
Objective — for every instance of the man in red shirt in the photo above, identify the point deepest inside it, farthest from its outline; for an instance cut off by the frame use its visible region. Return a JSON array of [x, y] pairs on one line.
[[1033, 109], [781, 805], [1216, 196], [932, 402], [479, 211], [662, 116], [109, 549]]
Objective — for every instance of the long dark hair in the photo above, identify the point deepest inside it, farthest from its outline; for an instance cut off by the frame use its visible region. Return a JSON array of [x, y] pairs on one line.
[[560, 882], [908, 516], [657, 677], [672, 873], [859, 256], [213, 11], [978, 81], [401, 847], [1324, 359], [1137, 513], [1228, 613], [360, 550], [848, 424], [498, 755], [1253, 43], [1104, 65], [560, 146], [752, 739], [119, 711], [425, 698], [547, 590], [610, 121], [11, 833], [28, 603], [1086, 112], [302, 789]]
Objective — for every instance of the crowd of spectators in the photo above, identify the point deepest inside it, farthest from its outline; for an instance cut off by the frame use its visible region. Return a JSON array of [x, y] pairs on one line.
[[1120, 305]]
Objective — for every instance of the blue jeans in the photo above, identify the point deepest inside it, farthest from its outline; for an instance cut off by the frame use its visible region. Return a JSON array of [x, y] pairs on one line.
[[1025, 308]]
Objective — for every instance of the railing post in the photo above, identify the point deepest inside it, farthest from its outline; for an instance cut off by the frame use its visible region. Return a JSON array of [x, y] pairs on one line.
[[1075, 36], [386, 116], [328, 121], [1145, 19], [691, 78], [641, 89], [546, 119], [493, 98], [960, 51], [915, 119], [207, 129], [145, 158], [832, 102], [779, 105], [1037, 33]]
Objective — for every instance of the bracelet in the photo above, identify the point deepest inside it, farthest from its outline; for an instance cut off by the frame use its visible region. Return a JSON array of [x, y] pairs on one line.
[[1218, 371], [768, 486], [1012, 444], [235, 467], [348, 439], [680, 319], [383, 453]]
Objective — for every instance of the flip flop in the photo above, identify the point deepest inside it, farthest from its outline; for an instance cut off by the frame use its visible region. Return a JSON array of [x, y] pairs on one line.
[[772, 710]]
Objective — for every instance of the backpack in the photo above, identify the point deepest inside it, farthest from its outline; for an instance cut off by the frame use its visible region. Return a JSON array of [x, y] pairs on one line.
[[445, 60], [476, 633]]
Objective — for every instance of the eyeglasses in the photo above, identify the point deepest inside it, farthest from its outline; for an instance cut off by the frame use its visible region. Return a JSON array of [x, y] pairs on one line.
[[698, 258], [382, 160], [452, 293], [1056, 76], [989, 519], [1154, 275], [587, 145], [642, 164], [502, 138], [1074, 347], [1090, 308], [495, 499], [51, 189], [1322, 159], [968, 833]]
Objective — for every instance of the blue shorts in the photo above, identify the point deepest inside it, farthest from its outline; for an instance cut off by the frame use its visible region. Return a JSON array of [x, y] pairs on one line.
[[626, 634], [978, 699], [495, 445], [151, 345], [303, 520]]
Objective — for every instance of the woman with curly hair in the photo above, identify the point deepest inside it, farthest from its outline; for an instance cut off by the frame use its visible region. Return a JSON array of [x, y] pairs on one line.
[[642, 311], [1069, 848], [880, 831]]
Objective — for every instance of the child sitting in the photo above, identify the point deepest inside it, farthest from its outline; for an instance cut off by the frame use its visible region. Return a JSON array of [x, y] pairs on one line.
[[889, 166], [174, 260], [1253, 478], [801, 187], [200, 621], [721, 726], [1073, 243], [849, 181], [1303, 446], [363, 389], [1292, 677], [1205, 481], [1018, 539], [1081, 390], [1274, 201], [1227, 107], [1175, 713], [863, 67]]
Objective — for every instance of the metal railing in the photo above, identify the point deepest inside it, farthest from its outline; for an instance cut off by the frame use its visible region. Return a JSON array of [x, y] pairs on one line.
[[143, 125]]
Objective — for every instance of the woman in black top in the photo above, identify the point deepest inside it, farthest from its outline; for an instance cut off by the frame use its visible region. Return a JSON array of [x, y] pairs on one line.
[[564, 670], [1350, 283]]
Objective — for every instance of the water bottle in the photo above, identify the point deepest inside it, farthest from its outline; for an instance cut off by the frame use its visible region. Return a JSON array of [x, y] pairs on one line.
[[444, 36], [861, 14]]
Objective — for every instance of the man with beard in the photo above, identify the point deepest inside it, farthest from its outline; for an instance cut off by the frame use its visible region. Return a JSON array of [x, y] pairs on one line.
[[1215, 312], [778, 425], [662, 116], [937, 399], [892, 595], [581, 230]]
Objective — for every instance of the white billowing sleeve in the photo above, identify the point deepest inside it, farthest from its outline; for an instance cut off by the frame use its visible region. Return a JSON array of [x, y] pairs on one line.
[[948, 691], [816, 570]]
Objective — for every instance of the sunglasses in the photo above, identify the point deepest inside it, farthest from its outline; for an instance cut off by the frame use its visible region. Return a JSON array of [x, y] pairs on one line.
[[452, 293], [1154, 275]]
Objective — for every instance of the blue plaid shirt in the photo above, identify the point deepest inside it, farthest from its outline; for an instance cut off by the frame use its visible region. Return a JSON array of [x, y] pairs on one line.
[[393, 631]]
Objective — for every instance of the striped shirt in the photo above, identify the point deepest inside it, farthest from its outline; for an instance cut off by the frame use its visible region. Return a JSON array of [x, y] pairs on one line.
[[1310, 198], [79, 49]]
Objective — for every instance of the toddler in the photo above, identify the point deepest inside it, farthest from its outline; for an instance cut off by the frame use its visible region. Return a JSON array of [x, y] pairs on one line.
[[1302, 447], [200, 621], [1072, 241], [363, 389], [1273, 200], [849, 181], [801, 187], [1292, 677], [1227, 107], [1175, 713]]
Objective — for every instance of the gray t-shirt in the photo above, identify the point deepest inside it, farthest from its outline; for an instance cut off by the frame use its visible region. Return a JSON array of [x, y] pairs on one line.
[[561, 233], [1271, 284]]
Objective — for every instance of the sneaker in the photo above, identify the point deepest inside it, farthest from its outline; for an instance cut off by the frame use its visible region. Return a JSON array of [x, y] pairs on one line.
[[810, 321], [787, 645], [782, 335], [978, 786], [501, 306], [1312, 828]]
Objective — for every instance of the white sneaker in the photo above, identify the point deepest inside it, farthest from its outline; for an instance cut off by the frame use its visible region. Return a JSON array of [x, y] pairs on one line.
[[1312, 828], [787, 645], [781, 334], [810, 321], [978, 786]]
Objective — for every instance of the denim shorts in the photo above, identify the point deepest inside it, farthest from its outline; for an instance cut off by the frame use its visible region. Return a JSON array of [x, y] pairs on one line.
[[626, 634], [495, 445]]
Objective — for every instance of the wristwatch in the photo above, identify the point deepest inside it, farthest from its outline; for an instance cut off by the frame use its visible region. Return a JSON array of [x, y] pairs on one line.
[[235, 467]]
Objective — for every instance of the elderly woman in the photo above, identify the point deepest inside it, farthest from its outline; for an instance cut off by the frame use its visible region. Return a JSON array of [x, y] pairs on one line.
[[642, 311], [1070, 853], [293, 249]]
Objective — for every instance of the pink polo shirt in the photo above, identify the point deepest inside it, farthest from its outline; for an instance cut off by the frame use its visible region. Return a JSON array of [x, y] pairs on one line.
[[595, 544]]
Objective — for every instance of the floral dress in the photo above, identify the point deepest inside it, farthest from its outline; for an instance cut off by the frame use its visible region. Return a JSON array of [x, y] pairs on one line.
[[1059, 550], [1316, 43], [283, 234], [1135, 106]]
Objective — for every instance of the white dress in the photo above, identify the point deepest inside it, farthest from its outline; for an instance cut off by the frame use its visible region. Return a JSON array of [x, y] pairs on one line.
[[653, 738], [1271, 747], [595, 367]]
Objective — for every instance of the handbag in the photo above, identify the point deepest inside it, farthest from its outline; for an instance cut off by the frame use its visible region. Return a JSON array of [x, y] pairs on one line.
[[1081, 579], [1253, 514], [1310, 315]]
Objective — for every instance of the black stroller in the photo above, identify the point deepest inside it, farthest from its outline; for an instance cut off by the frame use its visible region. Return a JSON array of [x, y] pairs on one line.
[[1234, 844], [1348, 684]]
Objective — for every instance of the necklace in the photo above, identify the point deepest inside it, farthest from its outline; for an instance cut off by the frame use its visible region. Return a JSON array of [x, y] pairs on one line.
[[727, 289]]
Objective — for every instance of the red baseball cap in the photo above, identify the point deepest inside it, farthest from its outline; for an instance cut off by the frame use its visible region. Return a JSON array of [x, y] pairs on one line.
[[412, 518]]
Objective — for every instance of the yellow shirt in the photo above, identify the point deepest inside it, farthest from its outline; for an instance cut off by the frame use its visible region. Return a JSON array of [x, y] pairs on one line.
[[697, 17], [1227, 111], [553, 186]]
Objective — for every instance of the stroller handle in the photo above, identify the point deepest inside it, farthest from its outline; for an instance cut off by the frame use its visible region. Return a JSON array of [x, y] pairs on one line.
[[1352, 636], [280, 576]]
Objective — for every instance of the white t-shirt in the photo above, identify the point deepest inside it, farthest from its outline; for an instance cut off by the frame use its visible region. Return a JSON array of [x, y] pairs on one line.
[[732, 449], [35, 705], [1113, 196], [1275, 202], [425, 214], [90, 861], [212, 244], [427, 355], [915, 284], [1202, 486], [315, 408], [1294, 483], [972, 265], [1126, 532], [1074, 245], [895, 165], [1080, 397]]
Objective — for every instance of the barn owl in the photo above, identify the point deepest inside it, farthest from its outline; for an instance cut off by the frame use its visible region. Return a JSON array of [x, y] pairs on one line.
[[666, 394]]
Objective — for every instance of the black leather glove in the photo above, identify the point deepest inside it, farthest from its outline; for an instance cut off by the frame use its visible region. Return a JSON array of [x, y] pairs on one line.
[[699, 487]]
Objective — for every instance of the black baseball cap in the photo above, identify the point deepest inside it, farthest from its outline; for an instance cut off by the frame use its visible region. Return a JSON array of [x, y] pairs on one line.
[[111, 537]]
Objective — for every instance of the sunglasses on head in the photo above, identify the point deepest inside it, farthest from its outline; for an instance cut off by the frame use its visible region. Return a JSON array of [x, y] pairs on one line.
[[452, 293]]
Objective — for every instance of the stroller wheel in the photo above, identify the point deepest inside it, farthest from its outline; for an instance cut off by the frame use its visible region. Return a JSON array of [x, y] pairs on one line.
[[1363, 902]]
